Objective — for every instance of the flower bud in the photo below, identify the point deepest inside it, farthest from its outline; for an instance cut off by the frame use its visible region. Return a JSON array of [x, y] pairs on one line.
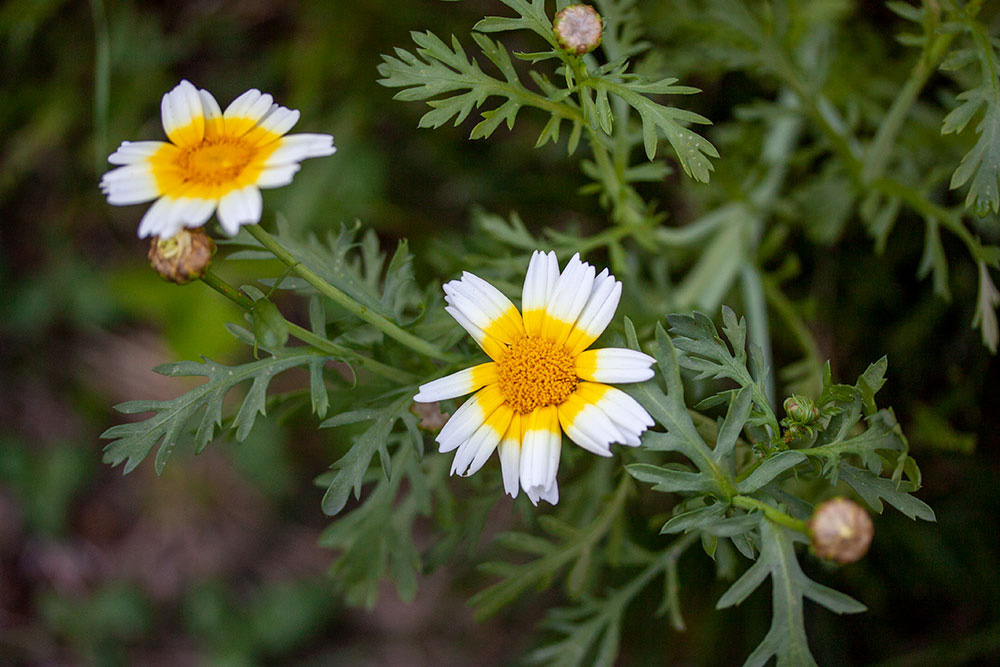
[[269, 327], [841, 530], [431, 417], [801, 409], [578, 29], [183, 257]]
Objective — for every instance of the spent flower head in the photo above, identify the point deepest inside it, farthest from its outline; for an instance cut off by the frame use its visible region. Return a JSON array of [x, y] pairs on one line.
[[183, 257], [841, 530], [578, 29], [215, 160], [542, 379]]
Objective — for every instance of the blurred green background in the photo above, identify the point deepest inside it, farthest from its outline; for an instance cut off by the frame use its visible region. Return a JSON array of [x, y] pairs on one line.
[[216, 561]]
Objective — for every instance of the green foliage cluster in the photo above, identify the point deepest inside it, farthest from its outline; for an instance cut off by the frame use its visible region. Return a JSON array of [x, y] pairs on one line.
[[812, 158]]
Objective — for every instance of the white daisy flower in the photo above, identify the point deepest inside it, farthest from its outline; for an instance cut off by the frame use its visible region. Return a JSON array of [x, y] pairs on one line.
[[215, 160], [542, 380]]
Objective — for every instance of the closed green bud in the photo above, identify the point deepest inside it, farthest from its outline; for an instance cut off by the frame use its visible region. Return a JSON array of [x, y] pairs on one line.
[[578, 29], [269, 327], [801, 409]]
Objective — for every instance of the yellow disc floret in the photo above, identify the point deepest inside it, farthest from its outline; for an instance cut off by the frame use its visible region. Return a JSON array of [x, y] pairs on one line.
[[536, 372], [213, 166], [215, 163]]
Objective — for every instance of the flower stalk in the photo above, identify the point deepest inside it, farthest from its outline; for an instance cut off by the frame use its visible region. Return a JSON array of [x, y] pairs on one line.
[[389, 328], [308, 337]]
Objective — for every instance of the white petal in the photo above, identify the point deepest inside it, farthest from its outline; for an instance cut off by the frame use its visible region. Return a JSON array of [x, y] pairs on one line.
[[510, 457], [484, 305], [279, 120], [617, 403], [597, 313], [183, 114], [198, 211], [131, 184], [475, 451], [539, 462], [461, 425], [480, 312], [487, 291], [614, 364], [589, 426], [457, 384], [470, 416], [252, 105], [275, 177], [131, 152], [160, 220], [477, 333], [298, 147], [571, 291], [213, 113], [240, 207], [541, 277]]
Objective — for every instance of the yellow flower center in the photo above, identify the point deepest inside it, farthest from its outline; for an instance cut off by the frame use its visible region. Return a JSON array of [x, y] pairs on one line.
[[214, 165], [536, 372], [216, 162]]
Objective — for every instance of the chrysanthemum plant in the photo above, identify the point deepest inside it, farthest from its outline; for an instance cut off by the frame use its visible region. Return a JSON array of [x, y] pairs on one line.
[[566, 360]]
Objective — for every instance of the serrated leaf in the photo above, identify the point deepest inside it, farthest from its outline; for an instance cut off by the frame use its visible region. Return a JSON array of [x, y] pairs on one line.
[[532, 17], [668, 409], [934, 261], [357, 267], [786, 639], [671, 481], [351, 467], [770, 469], [870, 382], [732, 427], [132, 442], [692, 150], [873, 489], [694, 519], [454, 84], [981, 165]]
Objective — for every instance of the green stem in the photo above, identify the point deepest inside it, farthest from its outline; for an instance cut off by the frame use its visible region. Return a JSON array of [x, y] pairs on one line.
[[773, 514], [225, 289], [389, 328], [880, 149], [925, 207], [308, 337], [888, 186], [627, 205]]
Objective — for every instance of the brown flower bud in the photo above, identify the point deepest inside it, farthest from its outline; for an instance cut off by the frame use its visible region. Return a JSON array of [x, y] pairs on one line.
[[578, 29], [431, 417], [182, 257], [841, 530]]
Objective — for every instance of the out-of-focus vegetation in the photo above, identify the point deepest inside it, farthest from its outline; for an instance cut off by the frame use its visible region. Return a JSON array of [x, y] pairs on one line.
[[218, 561]]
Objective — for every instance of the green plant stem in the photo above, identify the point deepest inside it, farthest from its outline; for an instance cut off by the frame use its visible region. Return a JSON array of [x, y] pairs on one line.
[[389, 328], [783, 307], [662, 562], [773, 514], [225, 289], [915, 199], [378, 368], [880, 149], [627, 206]]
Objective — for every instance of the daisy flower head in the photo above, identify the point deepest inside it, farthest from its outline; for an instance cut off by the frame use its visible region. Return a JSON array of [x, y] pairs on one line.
[[215, 161], [542, 380]]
